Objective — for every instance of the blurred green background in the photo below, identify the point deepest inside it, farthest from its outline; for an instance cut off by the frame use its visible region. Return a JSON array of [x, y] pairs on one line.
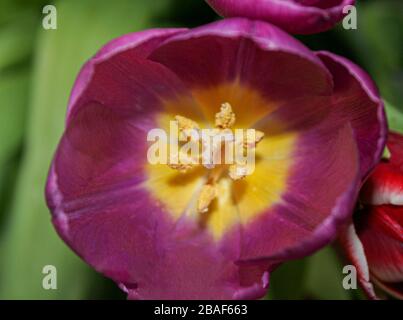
[[37, 70]]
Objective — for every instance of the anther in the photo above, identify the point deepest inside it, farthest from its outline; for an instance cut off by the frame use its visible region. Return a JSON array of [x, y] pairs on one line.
[[207, 195], [225, 119]]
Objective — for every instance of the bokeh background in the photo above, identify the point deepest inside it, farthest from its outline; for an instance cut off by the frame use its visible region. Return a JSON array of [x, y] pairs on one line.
[[37, 70]]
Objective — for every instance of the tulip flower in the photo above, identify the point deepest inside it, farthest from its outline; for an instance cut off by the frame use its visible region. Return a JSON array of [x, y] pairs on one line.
[[294, 16], [165, 231], [374, 242]]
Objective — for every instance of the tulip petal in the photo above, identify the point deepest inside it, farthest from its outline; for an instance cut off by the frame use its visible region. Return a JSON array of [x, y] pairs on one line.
[[356, 95], [394, 289], [294, 16], [139, 43], [354, 250], [149, 255], [378, 224], [97, 180], [374, 245], [308, 215], [381, 233], [135, 222], [238, 53], [111, 121], [395, 145], [385, 185]]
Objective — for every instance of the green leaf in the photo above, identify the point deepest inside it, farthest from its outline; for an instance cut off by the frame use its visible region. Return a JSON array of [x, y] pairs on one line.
[[18, 10], [324, 277], [395, 118], [31, 242], [378, 43], [17, 40], [287, 282], [13, 100]]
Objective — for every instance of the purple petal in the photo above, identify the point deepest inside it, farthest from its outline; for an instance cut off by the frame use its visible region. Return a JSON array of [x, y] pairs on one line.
[[138, 246], [356, 96], [294, 16], [256, 54], [139, 43], [105, 142], [97, 189], [309, 215]]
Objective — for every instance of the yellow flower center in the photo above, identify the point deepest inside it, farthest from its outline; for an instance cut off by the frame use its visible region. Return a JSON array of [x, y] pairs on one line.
[[224, 121]]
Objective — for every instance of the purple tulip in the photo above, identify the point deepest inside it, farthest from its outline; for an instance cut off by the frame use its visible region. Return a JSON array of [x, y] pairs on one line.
[[140, 224], [294, 16]]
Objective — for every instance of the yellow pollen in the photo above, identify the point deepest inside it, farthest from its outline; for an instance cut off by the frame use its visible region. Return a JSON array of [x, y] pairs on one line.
[[252, 142], [184, 163], [237, 171], [225, 119], [186, 124], [207, 195], [181, 167]]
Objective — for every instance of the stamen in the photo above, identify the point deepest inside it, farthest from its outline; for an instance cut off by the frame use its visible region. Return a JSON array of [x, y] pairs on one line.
[[184, 163], [225, 119], [237, 171], [259, 135], [186, 126], [182, 168], [207, 195], [251, 142]]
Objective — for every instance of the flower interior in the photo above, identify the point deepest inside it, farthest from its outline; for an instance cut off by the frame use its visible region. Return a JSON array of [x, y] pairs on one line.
[[224, 120], [220, 196]]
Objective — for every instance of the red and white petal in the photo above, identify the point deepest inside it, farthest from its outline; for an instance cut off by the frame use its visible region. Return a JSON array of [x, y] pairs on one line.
[[354, 251]]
